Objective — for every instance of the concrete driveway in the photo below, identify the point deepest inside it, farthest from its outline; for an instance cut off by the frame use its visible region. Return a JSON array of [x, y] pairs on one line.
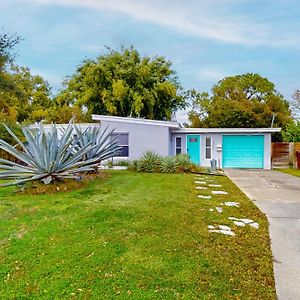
[[278, 196]]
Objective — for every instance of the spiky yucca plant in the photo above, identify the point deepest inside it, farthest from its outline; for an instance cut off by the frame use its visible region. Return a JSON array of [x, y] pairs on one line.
[[44, 156], [168, 164], [150, 162]]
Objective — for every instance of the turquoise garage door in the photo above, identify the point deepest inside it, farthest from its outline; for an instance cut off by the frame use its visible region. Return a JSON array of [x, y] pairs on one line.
[[243, 151]]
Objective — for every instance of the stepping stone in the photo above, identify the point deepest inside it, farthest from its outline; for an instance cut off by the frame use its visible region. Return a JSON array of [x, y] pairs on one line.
[[219, 192], [215, 185], [234, 204], [204, 197], [247, 221], [254, 225], [200, 182], [238, 223], [211, 209], [222, 229], [244, 222], [201, 187], [219, 209]]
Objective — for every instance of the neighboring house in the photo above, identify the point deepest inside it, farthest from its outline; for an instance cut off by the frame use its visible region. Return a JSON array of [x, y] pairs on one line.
[[231, 147]]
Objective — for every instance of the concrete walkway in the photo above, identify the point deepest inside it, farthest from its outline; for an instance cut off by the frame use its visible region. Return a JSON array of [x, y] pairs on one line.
[[278, 196]]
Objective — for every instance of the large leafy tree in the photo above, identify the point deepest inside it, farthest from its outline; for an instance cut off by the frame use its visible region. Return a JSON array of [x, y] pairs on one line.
[[23, 96], [122, 83], [247, 100]]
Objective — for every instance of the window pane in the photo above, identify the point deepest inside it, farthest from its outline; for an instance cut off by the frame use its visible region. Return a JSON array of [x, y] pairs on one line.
[[123, 138], [178, 142], [208, 153], [208, 142], [193, 140], [178, 151], [124, 152]]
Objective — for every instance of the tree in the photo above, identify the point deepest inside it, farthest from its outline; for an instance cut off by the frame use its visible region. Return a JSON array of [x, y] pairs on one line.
[[292, 132], [247, 100], [122, 83], [296, 103], [30, 96]]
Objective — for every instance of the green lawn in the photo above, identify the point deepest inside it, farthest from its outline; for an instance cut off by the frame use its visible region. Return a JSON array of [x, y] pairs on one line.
[[294, 172], [131, 236]]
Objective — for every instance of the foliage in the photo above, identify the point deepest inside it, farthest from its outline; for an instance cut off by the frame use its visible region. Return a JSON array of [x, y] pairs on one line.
[[102, 146], [292, 132], [124, 84], [247, 100], [62, 114], [168, 164], [184, 163], [150, 162], [296, 104], [7, 43], [46, 156], [4, 134], [29, 97]]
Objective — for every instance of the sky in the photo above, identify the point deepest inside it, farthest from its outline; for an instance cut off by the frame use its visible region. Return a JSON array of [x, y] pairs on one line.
[[205, 40]]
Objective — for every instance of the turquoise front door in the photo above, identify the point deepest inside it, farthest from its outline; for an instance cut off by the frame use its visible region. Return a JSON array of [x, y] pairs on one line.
[[243, 151], [193, 147]]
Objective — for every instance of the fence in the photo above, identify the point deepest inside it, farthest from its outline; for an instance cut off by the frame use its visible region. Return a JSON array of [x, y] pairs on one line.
[[284, 154]]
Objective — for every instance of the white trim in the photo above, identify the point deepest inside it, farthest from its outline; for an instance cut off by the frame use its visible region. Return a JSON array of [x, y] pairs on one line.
[[33, 126], [226, 130], [211, 147], [175, 137], [135, 120]]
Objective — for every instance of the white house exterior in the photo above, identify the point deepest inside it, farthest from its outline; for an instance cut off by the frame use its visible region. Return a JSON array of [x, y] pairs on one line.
[[230, 147]]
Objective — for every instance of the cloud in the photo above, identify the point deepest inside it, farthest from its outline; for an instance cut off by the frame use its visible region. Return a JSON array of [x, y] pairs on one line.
[[211, 74], [218, 20]]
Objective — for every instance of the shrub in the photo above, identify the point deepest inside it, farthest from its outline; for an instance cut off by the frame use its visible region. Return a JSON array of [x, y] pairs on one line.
[[169, 164], [150, 162], [46, 157], [134, 165], [184, 163]]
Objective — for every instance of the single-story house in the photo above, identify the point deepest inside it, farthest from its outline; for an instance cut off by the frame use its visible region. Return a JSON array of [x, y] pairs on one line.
[[230, 147]]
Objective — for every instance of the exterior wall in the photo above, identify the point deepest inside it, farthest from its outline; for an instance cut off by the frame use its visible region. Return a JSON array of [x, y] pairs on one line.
[[217, 139], [143, 137]]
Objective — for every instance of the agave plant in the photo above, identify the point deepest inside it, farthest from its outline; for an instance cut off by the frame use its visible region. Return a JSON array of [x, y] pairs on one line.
[[103, 147], [150, 162], [169, 164], [44, 156]]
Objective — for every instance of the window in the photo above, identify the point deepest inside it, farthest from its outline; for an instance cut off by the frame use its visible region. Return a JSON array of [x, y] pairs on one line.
[[178, 145], [208, 148], [122, 139], [193, 140]]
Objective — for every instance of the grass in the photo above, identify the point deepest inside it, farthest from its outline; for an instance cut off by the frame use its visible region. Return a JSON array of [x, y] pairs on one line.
[[131, 236], [294, 172]]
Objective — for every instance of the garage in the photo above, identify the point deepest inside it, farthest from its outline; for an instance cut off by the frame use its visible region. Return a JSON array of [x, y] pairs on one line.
[[243, 151]]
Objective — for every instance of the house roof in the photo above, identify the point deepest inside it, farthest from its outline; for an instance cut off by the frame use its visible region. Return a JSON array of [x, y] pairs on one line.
[[227, 130], [135, 121]]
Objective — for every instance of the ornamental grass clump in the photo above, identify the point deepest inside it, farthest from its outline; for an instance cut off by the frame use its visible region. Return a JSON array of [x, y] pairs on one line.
[[168, 164], [184, 163], [48, 156], [150, 162]]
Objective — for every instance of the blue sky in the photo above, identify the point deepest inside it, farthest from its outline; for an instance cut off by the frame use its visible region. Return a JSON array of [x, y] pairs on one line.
[[206, 40]]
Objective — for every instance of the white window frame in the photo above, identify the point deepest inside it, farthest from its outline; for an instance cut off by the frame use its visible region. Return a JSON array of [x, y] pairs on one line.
[[179, 137], [211, 147]]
